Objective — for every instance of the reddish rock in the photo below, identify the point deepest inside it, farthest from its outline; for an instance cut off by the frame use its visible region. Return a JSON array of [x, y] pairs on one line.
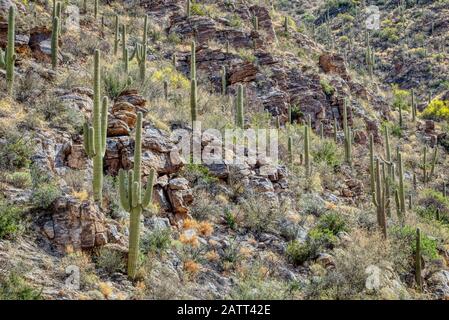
[[334, 64]]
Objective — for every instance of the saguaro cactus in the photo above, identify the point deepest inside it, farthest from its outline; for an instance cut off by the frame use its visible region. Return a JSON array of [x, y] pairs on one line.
[[130, 189], [286, 24], [141, 51], [371, 164], [413, 106], [95, 137], [223, 80], [165, 90], [418, 266], [424, 165], [290, 150], [380, 200], [123, 40], [193, 61], [116, 34], [348, 135], [55, 43], [8, 58], [193, 100], [434, 161], [188, 8], [401, 190], [240, 121], [96, 9], [307, 150]]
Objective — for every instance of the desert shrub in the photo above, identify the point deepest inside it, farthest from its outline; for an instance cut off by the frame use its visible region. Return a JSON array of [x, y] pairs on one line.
[[260, 214], [59, 114], [203, 207], [333, 222], [327, 152], [437, 110], [256, 287], [298, 253], [110, 260], [156, 241], [407, 235], [312, 204], [19, 179], [115, 81], [45, 189], [198, 174], [15, 287], [15, 151], [433, 204], [328, 89], [10, 220], [400, 98]]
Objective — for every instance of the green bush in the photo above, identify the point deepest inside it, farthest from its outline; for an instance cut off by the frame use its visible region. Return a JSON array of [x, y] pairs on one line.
[[10, 221], [14, 287], [298, 253], [328, 89], [15, 152], [333, 222], [433, 204], [19, 179], [110, 260], [436, 110], [428, 246], [44, 195], [327, 152], [156, 241]]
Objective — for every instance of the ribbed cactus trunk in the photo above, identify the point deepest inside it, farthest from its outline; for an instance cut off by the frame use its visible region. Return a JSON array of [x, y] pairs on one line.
[[307, 150], [8, 58], [290, 120], [188, 8], [240, 112], [380, 200], [96, 9], [401, 190], [116, 34], [418, 265], [348, 135], [130, 189], [123, 40], [371, 164], [290, 150], [193, 61], [95, 136], [55, 43], [166, 90], [413, 106], [193, 100], [223, 80], [424, 165]]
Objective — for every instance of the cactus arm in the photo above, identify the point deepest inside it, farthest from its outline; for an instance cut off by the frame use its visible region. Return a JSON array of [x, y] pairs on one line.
[[92, 151], [148, 196], [130, 185], [123, 189], [104, 124]]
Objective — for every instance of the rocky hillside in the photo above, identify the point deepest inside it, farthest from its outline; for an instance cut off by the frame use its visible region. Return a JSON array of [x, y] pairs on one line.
[[98, 199]]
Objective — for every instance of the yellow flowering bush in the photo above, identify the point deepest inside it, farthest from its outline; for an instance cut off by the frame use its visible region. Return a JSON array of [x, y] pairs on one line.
[[437, 109]]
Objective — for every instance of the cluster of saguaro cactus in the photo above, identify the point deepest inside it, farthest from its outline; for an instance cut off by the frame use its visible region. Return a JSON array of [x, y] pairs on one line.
[[8, 58], [380, 197], [348, 135], [193, 88], [240, 119], [425, 166], [130, 189], [95, 136]]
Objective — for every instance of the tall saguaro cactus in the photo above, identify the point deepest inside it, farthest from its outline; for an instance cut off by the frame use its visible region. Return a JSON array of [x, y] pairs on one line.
[[401, 191], [141, 51], [193, 61], [223, 80], [193, 100], [95, 136], [130, 189], [418, 265], [8, 58], [55, 43], [116, 34], [307, 150], [348, 135], [371, 164], [240, 119]]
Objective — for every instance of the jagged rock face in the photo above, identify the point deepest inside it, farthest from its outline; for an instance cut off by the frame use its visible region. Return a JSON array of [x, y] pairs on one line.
[[334, 64], [76, 225]]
